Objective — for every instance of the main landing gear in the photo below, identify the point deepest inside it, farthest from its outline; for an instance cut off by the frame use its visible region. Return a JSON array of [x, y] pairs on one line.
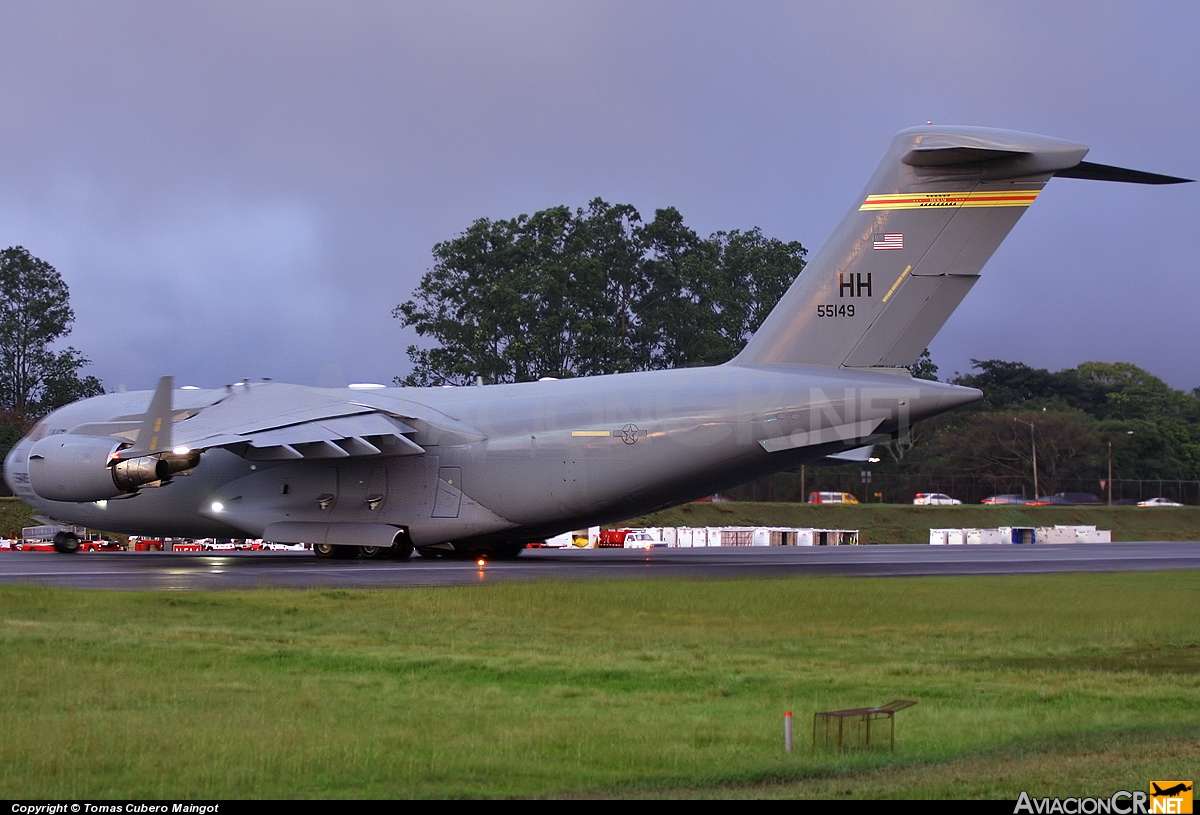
[[66, 542], [402, 549]]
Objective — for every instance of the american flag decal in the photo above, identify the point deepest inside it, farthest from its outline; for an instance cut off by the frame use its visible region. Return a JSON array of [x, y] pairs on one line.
[[889, 240]]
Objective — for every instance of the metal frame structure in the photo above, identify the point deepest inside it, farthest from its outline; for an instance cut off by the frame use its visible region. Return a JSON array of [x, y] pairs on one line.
[[851, 729]]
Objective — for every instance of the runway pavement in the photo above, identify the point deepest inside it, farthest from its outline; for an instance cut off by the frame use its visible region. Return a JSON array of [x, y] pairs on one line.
[[169, 571]]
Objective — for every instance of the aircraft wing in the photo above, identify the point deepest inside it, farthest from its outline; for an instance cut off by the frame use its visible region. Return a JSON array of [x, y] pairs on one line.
[[360, 434], [276, 422]]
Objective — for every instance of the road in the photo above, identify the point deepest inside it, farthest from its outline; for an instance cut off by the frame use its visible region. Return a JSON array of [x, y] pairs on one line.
[[169, 571]]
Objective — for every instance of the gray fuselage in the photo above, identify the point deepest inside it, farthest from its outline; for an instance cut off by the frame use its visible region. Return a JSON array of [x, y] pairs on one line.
[[544, 457]]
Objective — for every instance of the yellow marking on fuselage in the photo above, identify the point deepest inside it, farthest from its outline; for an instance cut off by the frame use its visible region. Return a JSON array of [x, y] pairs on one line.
[[157, 425], [590, 433], [896, 285]]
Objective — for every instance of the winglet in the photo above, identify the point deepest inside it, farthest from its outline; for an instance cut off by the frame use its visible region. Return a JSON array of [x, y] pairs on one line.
[[154, 436]]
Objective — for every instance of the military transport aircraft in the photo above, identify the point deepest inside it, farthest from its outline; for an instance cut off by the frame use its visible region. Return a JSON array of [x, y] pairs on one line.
[[471, 471]]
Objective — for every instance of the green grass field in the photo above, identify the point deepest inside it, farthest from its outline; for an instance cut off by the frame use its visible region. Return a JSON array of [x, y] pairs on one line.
[[14, 514], [1058, 684]]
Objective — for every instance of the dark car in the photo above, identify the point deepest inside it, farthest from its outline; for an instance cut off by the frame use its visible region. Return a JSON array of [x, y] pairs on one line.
[[1004, 499], [1072, 499]]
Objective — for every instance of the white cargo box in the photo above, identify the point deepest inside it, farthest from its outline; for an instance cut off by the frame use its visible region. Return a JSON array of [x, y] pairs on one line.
[[696, 536], [1055, 534], [1064, 533], [984, 536]]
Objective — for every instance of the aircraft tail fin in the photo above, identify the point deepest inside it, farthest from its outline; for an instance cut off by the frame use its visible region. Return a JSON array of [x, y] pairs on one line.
[[913, 244]]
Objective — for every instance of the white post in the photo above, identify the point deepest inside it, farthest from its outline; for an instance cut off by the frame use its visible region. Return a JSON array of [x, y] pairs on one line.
[[787, 731]]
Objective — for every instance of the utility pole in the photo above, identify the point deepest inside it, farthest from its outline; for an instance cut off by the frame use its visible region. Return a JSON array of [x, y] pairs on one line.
[[1033, 445], [1110, 472], [1127, 433]]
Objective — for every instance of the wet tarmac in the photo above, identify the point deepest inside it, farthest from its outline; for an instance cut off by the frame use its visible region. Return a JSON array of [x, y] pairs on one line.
[[249, 570]]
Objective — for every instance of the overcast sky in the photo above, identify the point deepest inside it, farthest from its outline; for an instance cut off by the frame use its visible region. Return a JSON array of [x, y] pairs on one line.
[[247, 189]]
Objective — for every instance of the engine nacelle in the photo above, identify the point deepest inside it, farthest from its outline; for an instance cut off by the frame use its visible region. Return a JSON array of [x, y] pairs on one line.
[[75, 468]]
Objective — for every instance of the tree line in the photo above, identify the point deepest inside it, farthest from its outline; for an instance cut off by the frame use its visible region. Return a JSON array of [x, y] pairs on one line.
[[1075, 413], [35, 377], [596, 290]]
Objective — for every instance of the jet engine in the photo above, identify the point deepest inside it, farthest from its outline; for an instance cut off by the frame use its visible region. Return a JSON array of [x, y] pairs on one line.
[[66, 467]]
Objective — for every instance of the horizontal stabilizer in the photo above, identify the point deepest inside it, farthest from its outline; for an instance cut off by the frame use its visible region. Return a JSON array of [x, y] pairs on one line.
[[1105, 172]]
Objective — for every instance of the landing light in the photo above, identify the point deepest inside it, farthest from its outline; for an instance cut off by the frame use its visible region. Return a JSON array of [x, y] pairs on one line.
[[217, 506], [181, 450], [481, 562]]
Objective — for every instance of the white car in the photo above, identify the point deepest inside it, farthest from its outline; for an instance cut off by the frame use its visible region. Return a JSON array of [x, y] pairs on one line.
[[1159, 502], [931, 499]]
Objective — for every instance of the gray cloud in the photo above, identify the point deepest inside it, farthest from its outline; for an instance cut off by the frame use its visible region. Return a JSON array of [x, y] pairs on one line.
[[241, 189]]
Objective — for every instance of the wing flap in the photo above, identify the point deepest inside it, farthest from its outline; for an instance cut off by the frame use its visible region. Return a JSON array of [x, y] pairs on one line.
[[369, 434]]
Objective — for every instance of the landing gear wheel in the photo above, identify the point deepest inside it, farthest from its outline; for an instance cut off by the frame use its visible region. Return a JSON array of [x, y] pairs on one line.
[[336, 552], [66, 543], [372, 552]]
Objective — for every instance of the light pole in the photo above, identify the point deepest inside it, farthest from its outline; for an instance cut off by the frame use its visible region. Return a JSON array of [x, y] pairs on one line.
[[1033, 445], [1127, 433]]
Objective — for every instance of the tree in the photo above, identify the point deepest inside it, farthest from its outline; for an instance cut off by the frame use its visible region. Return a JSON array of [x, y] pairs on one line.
[[596, 291], [550, 294], [924, 367], [34, 312], [995, 447]]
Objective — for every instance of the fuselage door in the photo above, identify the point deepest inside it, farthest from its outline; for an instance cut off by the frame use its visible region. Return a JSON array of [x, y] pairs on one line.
[[449, 493]]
